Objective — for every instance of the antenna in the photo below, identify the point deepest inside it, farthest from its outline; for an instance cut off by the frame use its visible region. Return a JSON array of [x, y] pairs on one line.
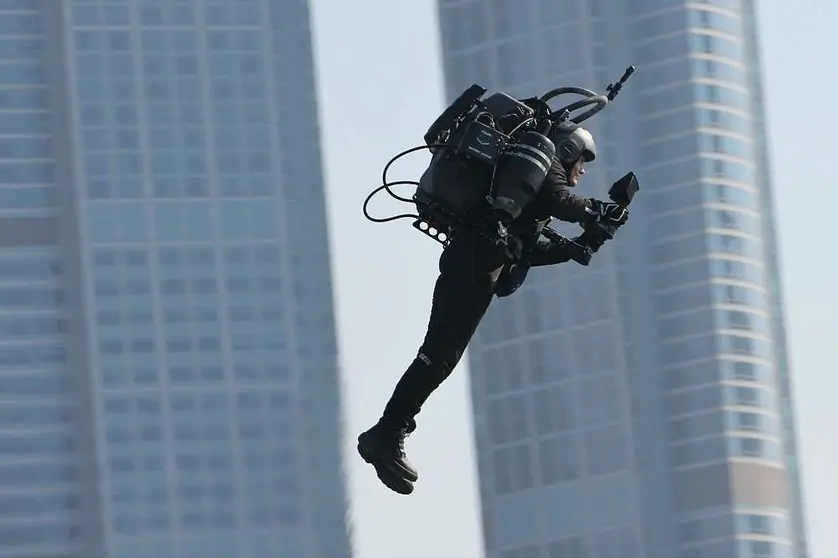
[[614, 89]]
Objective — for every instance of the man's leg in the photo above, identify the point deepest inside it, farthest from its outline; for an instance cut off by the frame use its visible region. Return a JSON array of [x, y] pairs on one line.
[[462, 294]]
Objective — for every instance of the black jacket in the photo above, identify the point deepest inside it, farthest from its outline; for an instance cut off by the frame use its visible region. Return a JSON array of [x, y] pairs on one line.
[[554, 200]]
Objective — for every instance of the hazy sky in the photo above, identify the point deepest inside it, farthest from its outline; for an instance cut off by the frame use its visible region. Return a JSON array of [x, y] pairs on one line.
[[380, 86]]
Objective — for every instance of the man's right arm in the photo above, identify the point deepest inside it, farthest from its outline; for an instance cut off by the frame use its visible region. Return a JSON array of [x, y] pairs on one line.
[[559, 202]]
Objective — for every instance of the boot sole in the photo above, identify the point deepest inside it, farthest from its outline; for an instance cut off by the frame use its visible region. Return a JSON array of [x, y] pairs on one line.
[[386, 475], [370, 454]]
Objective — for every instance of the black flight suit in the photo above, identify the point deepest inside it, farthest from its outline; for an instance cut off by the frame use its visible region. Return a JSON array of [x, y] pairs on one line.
[[469, 269]]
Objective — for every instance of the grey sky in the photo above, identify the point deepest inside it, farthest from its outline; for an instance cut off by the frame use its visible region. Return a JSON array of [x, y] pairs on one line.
[[380, 85]]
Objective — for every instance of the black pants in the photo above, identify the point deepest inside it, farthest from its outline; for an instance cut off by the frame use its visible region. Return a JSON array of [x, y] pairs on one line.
[[468, 272]]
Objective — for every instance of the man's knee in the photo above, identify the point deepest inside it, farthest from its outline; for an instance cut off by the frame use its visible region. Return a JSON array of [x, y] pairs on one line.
[[440, 360]]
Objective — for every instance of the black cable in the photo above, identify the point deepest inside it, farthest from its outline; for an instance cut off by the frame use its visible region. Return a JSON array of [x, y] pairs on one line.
[[394, 217], [386, 186]]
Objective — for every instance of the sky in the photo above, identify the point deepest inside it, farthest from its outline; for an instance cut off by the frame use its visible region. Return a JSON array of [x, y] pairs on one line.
[[380, 85]]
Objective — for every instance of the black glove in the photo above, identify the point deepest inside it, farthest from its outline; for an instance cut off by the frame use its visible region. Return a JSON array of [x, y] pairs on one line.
[[574, 250], [590, 242], [586, 247], [606, 218]]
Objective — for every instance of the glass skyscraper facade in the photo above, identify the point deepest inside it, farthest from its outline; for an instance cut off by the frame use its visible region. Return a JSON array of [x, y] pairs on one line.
[[640, 407], [168, 368]]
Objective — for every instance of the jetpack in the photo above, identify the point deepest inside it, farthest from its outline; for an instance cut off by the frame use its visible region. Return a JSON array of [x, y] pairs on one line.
[[489, 157]]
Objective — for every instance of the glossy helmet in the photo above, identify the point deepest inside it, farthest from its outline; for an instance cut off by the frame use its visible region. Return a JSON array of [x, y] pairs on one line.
[[572, 142]]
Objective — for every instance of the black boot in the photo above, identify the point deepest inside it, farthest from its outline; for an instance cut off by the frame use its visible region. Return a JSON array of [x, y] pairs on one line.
[[393, 481], [382, 446]]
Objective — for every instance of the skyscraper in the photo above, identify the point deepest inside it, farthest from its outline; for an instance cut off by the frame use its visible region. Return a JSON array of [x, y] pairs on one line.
[[168, 375], [640, 407]]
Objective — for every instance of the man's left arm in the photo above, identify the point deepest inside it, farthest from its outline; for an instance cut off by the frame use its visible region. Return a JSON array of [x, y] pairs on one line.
[[552, 248]]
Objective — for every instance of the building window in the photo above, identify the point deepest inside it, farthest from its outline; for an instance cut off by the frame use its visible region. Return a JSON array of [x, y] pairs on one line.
[[513, 469], [762, 549], [571, 547], [754, 448], [746, 371], [747, 396], [606, 450], [508, 419], [762, 524], [759, 524], [559, 459], [751, 447]]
